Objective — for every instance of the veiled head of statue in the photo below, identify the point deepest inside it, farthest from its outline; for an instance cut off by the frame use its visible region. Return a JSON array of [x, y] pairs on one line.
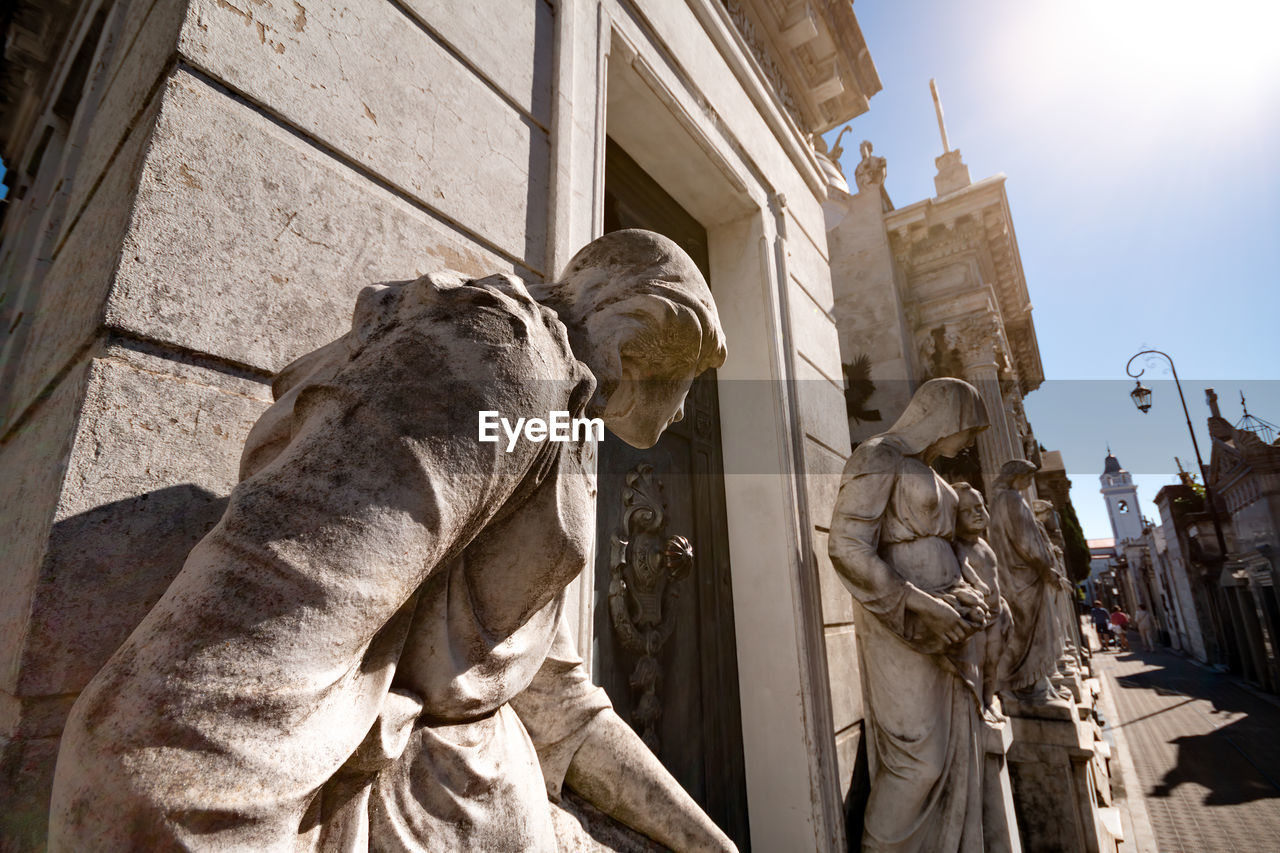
[[644, 319], [1015, 474], [943, 417]]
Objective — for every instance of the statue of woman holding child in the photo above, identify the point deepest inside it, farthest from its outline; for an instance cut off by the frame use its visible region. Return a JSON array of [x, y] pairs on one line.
[[892, 542]]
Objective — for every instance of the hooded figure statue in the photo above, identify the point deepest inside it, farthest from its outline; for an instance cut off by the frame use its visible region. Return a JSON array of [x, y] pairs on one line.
[[1029, 583], [891, 541]]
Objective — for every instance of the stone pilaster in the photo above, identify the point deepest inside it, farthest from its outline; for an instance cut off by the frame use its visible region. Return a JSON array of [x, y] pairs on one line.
[[995, 446]]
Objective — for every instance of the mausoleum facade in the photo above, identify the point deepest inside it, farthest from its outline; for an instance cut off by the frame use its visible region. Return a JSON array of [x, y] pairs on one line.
[[199, 191]]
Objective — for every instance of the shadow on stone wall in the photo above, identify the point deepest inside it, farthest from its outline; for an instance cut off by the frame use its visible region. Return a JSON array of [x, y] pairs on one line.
[[855, 801], [103, 571]]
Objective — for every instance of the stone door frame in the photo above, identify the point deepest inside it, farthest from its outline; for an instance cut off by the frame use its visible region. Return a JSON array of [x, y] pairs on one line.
[[615, 77]]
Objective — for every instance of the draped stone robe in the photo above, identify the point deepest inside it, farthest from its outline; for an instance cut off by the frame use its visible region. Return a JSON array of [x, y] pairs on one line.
[[320, 675], [893, 524], [1026, 568]]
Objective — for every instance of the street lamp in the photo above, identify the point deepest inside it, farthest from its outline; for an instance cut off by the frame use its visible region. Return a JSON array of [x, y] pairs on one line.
[[1141, 397]]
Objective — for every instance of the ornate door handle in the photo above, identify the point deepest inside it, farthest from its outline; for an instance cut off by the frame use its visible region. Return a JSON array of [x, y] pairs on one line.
[[646, 570]]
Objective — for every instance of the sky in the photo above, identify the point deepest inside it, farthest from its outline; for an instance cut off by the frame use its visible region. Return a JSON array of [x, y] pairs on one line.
[[1139, 140]]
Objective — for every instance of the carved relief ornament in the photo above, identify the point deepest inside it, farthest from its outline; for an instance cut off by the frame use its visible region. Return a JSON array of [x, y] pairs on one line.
[[646, 569]]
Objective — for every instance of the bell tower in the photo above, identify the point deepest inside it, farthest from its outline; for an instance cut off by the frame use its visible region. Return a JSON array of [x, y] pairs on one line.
[[1121, 496]]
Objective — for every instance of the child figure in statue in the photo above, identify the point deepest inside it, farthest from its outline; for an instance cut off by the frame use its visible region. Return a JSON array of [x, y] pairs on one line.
[[978, 557]]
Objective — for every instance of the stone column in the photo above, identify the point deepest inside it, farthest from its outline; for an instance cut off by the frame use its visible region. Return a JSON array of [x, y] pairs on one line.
[[994, 443]]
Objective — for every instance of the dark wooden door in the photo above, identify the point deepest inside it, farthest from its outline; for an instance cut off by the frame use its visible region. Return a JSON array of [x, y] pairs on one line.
[[664, 646]]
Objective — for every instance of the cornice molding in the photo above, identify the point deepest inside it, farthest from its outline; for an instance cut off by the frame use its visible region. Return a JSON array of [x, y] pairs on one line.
[[765, 58], [974, 220], [813, 54]]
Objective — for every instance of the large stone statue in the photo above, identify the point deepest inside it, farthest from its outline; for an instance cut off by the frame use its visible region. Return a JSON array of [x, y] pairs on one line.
[[978, 557], [368, 650], [1069, 656], [891, 541], [1029, 583]]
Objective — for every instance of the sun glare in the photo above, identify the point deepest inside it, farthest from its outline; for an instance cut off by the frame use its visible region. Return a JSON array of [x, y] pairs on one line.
[[1153, 58]]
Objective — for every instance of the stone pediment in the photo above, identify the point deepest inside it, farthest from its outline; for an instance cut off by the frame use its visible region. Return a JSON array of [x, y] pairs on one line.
[[812, 54]]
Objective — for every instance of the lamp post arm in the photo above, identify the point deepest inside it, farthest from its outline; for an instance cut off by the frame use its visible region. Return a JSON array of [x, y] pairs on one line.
[[1190, 429], [1204, 472]]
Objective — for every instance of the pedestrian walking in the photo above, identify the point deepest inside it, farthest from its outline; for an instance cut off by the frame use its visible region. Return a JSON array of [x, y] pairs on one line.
[[1119, 627], [1101, 623], [1146, 626]]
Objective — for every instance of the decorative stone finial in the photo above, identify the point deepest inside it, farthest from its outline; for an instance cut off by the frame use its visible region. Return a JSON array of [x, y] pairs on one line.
[[953, 174], [1211, 398], [937, 108]]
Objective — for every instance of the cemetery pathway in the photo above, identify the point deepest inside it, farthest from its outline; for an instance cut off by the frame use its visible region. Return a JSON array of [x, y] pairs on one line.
[[1206, 751]]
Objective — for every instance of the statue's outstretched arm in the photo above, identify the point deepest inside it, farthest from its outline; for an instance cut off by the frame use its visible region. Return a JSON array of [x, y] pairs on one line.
[[618, 774], [581, 742]]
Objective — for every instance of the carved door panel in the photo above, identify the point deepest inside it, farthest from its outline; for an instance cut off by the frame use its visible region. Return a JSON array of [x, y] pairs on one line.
[[664, 630]]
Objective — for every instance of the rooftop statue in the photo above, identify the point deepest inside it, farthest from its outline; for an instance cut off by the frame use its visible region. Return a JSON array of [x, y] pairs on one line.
[[891, 542], [369, 649]]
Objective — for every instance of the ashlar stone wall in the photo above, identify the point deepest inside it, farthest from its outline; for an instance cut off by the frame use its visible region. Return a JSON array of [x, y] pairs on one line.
[[249, 167], [241, 169]]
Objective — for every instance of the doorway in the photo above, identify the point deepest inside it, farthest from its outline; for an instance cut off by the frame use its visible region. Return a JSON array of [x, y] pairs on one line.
[[664, 646]]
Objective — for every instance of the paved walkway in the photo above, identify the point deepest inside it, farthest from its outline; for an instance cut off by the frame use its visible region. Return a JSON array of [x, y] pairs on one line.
[[1206, 751]]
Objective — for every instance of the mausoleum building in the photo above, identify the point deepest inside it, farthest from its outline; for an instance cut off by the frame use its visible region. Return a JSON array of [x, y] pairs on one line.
[[935, 288], [199, 191], [201, 188]]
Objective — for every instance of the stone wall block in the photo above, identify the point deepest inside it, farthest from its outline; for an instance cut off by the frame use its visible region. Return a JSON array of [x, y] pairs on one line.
[[368, 82], [822, 408], [251, 244], [822, 482], [807, 261], [69, 304], [148, 42], [846, 690], [26, 780], [846, 753], [812, 308], [32, 463], [519, 63], [837, 601], [814, 331], [156, 453]]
